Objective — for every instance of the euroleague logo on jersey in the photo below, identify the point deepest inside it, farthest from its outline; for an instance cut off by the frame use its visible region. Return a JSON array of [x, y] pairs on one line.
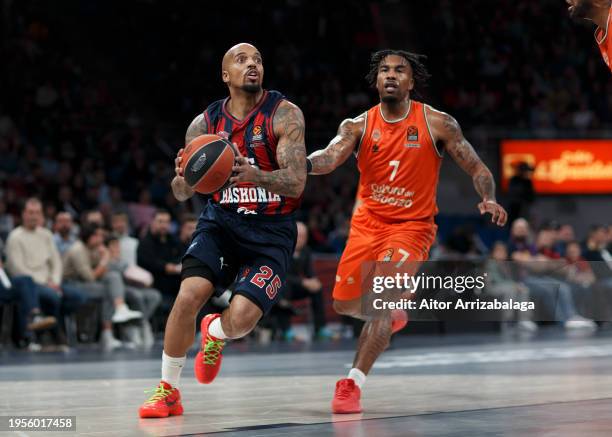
[[412, 133], [257, 133]]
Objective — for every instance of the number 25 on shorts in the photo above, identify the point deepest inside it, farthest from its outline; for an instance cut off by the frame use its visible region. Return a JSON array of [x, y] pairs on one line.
[[263, 276]]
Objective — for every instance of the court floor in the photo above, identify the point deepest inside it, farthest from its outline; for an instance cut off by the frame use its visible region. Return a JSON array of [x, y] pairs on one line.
[[553, 386]]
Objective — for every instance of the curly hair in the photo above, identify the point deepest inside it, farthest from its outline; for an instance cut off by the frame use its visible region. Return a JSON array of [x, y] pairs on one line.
[[419, 71]]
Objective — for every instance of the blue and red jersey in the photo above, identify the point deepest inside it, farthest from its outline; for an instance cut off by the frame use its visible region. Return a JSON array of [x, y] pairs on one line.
[[254, 137]]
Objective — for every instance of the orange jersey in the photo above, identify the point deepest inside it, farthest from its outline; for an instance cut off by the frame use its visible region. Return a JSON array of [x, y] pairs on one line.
[[604, 42], [399, 166]]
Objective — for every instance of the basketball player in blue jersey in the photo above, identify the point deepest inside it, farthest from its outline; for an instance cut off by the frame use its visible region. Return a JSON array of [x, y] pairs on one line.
[[246, 233]]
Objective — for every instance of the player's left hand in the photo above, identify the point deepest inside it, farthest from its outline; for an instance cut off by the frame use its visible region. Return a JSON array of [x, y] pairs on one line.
[[243, 171], [499, 215]]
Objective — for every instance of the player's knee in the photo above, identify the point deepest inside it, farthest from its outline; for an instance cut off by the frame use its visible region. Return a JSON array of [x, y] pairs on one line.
[[239, 326], [241, 318], [189, 300]]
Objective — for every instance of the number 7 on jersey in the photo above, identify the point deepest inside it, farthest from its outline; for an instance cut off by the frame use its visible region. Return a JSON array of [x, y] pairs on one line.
[[395, 165]]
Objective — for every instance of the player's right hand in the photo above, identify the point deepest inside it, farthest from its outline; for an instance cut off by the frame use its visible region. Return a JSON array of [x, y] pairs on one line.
[[177, 163]]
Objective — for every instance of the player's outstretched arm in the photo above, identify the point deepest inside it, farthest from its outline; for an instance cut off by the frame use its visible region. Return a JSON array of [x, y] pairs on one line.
[[181, 190], [290, 179], [326, 160], [446, 129]]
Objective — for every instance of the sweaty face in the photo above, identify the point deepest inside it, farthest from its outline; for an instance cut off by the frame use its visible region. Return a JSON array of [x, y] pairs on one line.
[[243, 69], [394, 81], [580, 8]]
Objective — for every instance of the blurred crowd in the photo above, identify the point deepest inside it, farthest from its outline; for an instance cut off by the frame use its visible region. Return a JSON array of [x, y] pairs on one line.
[[97, 95], [92, 121], [568, 277], [59, 271], [522, 65]]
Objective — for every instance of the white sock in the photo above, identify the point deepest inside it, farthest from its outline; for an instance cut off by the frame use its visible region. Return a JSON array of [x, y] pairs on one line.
[[216, 330], [172, 368], [358, 376]]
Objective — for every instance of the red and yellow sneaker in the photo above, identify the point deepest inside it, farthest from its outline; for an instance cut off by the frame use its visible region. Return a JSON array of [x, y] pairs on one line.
[[346, 397], [399, 320], [208, 360], [166, 401]]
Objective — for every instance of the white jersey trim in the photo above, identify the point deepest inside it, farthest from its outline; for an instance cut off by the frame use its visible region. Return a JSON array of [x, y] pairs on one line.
[[433, 140], [399, 119], [605, 33], [365, 128]]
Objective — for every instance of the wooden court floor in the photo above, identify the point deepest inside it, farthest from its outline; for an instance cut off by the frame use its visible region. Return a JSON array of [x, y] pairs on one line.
[[554, 387]]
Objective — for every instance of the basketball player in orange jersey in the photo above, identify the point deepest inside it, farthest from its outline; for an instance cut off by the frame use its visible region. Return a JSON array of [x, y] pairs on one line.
[[246, 233], [399, 145], [599, 12]]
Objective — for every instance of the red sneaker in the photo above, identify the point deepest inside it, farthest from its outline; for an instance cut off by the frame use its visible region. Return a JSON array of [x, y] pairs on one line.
[[208, 360], [399, 320], [166, 401], [346, 397]]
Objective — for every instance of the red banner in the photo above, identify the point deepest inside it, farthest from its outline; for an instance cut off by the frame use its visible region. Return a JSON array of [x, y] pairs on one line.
[[560, 166]]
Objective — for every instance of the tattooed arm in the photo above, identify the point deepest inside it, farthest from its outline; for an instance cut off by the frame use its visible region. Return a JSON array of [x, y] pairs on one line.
[[181, 190], [446, 130], [290, 179], [339, 149]]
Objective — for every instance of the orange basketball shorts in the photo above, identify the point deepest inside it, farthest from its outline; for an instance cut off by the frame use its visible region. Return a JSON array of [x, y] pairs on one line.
[[373, 240]]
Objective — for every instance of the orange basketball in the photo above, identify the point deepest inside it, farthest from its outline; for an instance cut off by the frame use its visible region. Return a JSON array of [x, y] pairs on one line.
[[207, 163]]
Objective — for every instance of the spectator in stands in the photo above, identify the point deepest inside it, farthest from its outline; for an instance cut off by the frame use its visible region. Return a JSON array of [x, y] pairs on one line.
[[596, 252], [63, 232], [578, 270], [593, 297], [520, 238], [502, 283], [49, 213], [22, 290], [6, 221], [520, 192], [565, 235], [541, 271], [463, 243], [31, 251], [142, 213], [93, 217], [338, 237], [160, 253], [128, 245], [139, 293], [188, 227], [66, 202], [302, 283], [86, 265]]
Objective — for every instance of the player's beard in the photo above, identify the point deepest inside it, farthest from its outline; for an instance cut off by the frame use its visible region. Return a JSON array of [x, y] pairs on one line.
[[251, 88], [390, 99]]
